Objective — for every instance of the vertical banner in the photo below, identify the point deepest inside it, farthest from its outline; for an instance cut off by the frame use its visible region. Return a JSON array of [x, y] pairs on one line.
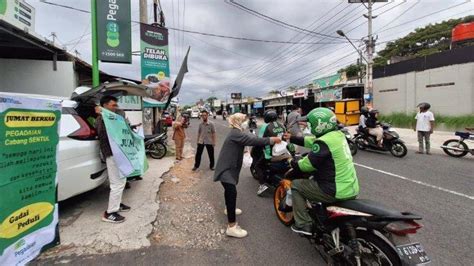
[[155, 61], [28, 181], [114, 33], [127, 146]]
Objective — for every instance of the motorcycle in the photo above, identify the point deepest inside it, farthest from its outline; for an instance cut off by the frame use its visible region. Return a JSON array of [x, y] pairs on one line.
[[458, 147], [350, 141], [356, 232], [391, 141], [155, 145]]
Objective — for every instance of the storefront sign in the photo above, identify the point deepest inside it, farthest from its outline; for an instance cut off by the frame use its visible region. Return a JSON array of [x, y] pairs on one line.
[[114, 35], [155, 69], [28, 183], [301, 93], [337, 79], [278, 102], [127, 146], [18, 13], [257, 105], [328, 95], [130, 103]]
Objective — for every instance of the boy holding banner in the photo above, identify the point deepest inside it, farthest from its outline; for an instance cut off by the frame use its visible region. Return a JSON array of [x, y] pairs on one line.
[[116, 179]]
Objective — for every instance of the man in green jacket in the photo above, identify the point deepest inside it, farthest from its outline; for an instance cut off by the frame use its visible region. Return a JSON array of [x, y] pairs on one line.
[[334, 176]]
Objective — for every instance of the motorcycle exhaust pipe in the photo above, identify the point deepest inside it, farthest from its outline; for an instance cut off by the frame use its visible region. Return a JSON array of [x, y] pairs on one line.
[[451, 148]]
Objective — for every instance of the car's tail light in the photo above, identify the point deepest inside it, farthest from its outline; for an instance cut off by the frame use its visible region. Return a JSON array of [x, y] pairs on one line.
[[402, 228], [84, 132]]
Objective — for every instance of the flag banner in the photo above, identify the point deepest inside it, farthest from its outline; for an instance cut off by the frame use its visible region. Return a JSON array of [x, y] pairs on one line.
[[28, 177], [179, 79], [155, 69], [128, 147], [114, 31]]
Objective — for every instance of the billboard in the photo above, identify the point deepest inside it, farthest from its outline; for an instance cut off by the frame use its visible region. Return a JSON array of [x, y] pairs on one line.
[[18, 13], [236, 95], [114, 35], [155, 69], [28, 184]]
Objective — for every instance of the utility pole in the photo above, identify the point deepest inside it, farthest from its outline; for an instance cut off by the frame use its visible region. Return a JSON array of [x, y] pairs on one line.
[[143, 12], [370, 52], [95, 57]]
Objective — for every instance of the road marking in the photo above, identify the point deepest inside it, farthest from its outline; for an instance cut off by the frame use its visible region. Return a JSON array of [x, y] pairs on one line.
[[416, 181]]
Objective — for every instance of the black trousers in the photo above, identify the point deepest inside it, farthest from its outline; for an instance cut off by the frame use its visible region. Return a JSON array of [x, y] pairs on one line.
[[210, 152], [230, 195]]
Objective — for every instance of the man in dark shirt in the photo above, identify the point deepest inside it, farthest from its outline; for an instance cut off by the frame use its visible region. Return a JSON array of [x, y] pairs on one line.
[[116, 180]]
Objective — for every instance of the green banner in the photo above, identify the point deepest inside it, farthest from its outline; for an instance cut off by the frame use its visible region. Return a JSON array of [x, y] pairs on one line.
[[114, 35], [28, 182], [336, 79], [128, 147], [328, 95], [155, 61]]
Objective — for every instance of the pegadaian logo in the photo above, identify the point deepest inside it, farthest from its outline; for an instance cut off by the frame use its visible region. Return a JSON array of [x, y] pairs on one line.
[[113, 30]]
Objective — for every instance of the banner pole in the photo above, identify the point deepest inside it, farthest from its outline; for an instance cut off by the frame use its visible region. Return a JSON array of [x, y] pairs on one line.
[[95, 59]]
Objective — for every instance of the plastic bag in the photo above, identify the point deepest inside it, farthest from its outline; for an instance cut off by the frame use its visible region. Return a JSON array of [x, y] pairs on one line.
[[247, 161], [279, 149], [306, 131]]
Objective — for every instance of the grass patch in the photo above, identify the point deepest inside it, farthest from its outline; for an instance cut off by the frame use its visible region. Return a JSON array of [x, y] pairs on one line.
[[407, 120]]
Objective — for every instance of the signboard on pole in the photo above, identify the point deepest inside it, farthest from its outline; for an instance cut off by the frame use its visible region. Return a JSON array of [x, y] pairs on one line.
[[236, 95], [155, 68], [114, 33], [301, 93], [18, 13], [28, 183]]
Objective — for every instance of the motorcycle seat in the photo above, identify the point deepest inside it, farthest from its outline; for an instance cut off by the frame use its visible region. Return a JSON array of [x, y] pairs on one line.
[[376, 209], [147, 137], [464, 135]]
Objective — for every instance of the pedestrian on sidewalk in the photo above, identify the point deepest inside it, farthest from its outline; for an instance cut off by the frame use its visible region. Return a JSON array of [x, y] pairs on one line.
[[179, 135], [206, 138], [116, 180], [424, 127], [229, 165]]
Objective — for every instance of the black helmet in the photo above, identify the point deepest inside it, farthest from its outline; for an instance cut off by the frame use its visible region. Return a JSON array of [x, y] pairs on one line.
[[374, 111], [364, 110], [425, 106], [270, 116]]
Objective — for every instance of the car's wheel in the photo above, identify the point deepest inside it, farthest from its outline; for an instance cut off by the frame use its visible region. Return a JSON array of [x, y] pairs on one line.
[[157, 150]]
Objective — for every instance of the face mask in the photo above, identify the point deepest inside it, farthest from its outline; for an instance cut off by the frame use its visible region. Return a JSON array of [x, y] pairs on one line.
[[245, 125]]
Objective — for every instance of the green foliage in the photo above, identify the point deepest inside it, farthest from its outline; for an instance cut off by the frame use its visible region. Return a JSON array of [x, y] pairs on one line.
[[352, 70], [408, 120], [430, 39], [211, 99]]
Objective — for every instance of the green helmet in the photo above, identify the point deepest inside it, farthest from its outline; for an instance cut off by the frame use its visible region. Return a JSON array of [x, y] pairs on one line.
[[322, 121]]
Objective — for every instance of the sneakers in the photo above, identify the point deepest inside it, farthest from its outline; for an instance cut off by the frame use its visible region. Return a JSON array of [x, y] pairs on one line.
[[237, 211], [262, 188], [113, 218], [212, 168], [124, 208], [305, 230], [236, 231]]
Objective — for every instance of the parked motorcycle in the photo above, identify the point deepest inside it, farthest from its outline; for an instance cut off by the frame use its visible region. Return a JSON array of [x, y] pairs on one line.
[[458, 147], [155, 145], [391, 141], [356, 232]]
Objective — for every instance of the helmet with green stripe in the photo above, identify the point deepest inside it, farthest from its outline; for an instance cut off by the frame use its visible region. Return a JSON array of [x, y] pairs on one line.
[[322, 121]]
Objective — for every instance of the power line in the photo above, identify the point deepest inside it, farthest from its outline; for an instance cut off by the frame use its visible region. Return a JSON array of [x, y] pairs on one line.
[[403, 13]]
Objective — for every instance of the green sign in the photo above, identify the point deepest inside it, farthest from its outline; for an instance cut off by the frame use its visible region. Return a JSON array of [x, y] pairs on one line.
[[339, 78], [114, 35], [155, 66], [18, 13], [28, 182], [127, 146], [328, 95]]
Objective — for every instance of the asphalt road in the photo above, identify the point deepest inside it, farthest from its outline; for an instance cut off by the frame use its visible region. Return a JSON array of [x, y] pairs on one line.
[[437, 187]]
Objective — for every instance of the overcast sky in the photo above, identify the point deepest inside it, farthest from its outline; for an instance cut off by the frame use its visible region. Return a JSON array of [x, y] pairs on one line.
[[218, 66]]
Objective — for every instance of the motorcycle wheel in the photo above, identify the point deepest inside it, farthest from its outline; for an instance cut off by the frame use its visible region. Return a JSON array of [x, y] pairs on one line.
[[360, 143], [398, 149], [285, 218], [454, 143], [253, 171], [373, 249], [157, 150], [352, 147]]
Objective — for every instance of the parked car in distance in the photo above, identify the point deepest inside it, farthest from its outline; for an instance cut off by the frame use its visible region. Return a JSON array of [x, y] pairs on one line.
[[195, 114]]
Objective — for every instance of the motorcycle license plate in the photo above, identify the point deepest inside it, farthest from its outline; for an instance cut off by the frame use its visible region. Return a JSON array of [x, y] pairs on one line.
[[412, 254]]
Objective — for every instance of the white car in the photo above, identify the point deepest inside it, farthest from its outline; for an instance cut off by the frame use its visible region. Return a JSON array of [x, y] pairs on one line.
[[80, 168], [195, 114]]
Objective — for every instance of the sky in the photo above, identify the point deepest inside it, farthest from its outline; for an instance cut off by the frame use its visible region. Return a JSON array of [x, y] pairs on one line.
[[219, 66]]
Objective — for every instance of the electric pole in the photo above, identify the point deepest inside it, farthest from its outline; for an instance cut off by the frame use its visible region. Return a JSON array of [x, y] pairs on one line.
[[95, 56], [143, 12], [370, 52]]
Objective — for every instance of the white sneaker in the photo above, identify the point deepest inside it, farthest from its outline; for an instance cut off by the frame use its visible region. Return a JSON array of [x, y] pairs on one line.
[[236, 231], [262, 188], [237, 211]]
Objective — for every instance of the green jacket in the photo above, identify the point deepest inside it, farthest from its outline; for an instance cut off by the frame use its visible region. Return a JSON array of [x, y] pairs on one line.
[[330, 161]]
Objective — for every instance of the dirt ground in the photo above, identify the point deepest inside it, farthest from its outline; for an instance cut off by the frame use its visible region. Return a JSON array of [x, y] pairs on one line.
[[185, 218]]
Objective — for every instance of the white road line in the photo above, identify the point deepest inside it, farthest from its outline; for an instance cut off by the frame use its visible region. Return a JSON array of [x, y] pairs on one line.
[[416, 181]]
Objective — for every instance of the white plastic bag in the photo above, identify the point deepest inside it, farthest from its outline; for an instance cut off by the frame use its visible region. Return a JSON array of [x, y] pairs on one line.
[[306, 131], [247, 162], [279, 149]]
